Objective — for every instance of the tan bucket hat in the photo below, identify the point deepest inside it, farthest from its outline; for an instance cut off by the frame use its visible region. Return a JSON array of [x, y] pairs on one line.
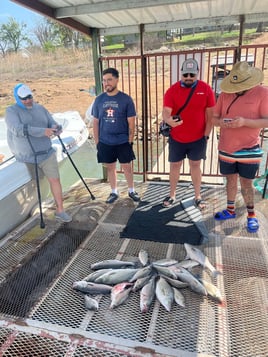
[[242, 77]]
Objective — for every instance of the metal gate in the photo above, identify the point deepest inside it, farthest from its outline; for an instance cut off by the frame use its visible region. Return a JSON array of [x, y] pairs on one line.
[[146, 78]]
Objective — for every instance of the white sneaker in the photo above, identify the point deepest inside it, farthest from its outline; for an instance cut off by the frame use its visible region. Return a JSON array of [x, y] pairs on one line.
[[63, 217]]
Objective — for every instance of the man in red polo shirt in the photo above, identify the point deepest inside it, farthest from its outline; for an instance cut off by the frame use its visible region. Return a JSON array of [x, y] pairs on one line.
[[188, 136]]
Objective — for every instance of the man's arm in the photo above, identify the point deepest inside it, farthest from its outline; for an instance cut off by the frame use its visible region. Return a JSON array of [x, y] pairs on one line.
[[166, 115], [18, 129], [215, 119], [209, 125], [96, 130], [238, 122], [13, 122], [249, 123], [131, 128]]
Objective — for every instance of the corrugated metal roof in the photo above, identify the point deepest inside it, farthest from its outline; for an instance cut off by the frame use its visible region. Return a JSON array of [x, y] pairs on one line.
[[126, 16]]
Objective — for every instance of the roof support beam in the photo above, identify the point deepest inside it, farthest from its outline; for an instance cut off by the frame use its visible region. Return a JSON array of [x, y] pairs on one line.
[[48, 11], [115, 5], [96, 52], [241, 31], [162, 26], [69, 15]]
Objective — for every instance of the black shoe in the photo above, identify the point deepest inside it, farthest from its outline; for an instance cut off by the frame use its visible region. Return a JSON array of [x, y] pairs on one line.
[[113, 197], [134, 195]]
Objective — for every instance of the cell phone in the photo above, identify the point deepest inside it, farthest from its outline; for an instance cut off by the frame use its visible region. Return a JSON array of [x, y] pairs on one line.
[[176, 118], [227, 120]]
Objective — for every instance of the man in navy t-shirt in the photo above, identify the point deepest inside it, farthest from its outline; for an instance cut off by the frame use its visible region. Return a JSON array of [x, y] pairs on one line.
[[113, 129]]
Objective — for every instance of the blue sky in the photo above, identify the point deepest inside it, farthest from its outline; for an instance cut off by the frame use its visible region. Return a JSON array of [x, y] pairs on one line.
[[20, 13]]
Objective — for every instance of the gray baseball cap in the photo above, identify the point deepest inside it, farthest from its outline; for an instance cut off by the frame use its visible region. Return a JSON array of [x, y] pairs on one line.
[[189, 66]]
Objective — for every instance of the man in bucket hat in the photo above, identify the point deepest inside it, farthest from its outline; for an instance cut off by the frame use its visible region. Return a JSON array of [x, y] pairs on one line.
[[241, 111]]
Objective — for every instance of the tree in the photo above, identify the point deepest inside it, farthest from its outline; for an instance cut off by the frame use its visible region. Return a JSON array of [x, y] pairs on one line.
[[13, 34], [67, 37], [259, 27], [3, 45], [51, 34], [43, 32]]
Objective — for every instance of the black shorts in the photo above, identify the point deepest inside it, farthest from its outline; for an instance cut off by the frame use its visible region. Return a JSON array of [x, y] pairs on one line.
[[247, 171], [195, 150], [107, 154]]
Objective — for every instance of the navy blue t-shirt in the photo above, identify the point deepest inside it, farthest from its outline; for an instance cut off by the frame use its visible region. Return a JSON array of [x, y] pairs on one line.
[[112, 112]]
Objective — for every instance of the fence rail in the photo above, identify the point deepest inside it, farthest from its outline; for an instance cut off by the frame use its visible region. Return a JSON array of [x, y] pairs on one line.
[[146, 78]]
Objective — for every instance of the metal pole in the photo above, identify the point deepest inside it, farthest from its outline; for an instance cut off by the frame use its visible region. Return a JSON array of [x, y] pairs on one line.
[[144, 105], [241, 32], [42, 223], [98, 67]]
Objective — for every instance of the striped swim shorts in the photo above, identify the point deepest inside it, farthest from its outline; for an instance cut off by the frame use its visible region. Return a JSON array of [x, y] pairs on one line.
[[246, 156]]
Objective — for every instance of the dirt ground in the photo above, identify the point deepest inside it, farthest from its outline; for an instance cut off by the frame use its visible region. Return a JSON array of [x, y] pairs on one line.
[[64, 94], [59, 95], [56, 95]]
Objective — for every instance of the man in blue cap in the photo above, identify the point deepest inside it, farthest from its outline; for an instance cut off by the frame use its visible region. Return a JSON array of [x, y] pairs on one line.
[[29, 130]]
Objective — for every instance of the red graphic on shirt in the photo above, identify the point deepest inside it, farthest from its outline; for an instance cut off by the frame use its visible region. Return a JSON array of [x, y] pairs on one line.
[[110, 112]]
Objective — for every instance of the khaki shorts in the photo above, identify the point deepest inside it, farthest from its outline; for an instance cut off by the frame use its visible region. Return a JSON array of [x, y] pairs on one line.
[[48, 167]]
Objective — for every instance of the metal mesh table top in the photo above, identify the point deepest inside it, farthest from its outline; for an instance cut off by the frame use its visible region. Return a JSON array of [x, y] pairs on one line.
[[41, 315]]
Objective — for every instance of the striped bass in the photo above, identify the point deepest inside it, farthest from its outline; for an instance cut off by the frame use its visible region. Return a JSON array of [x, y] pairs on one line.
[[196, 254], [112, 264], [164, 293], [90, 303], [91, 288], [147, 295], [194, 284], [143, 257], [120, 293], [116, 276]]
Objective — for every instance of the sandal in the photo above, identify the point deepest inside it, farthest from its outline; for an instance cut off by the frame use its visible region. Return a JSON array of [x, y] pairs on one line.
[[252, 224], [223, 215], [201, 204], [168, 201]]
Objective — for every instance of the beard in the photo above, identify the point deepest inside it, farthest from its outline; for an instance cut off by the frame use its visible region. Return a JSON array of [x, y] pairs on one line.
[[188, 84], [110, 89]]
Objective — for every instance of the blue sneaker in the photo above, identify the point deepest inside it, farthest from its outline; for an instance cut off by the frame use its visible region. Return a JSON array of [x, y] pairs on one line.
[[113, 197], [134, 196], [63, 217]]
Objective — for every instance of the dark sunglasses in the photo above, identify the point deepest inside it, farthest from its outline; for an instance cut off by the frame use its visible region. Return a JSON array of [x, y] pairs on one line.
[[192, 75], [28, 97]]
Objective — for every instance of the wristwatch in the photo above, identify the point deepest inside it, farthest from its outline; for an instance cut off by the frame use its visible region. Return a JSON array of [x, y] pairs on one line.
[[206, 136], [131, 143]]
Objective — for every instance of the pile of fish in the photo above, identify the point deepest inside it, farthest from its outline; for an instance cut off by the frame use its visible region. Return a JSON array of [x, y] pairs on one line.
[[162, 279]]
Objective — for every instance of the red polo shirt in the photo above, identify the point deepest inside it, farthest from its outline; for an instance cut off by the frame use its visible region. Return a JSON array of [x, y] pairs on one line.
[[194, 114]]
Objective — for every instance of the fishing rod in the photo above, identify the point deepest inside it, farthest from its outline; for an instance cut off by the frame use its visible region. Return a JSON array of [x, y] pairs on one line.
[[36, 153], [76, 169], [42, 223]]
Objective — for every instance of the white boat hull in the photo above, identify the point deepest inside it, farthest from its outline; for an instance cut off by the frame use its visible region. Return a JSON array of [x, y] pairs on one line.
[[18, 192]]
